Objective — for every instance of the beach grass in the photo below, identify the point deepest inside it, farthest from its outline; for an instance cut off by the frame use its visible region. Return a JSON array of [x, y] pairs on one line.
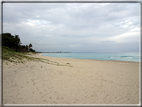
[[12, 56]]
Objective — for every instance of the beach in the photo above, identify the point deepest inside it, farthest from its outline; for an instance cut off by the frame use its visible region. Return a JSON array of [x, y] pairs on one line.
[[71, 81]]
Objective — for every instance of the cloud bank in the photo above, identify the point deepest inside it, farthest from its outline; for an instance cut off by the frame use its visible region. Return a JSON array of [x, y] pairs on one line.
[[75, 27]]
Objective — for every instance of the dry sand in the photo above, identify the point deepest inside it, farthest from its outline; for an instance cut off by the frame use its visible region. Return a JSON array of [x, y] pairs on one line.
[[80, 81]]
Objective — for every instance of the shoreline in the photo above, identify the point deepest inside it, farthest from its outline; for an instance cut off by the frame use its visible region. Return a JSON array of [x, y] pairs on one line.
[[95, 59], [118, 57], [73, 81]]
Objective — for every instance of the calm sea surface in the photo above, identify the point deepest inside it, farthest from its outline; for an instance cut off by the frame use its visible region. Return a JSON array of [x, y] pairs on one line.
[[131, 56]]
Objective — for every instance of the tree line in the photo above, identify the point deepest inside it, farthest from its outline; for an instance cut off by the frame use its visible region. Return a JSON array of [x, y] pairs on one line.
[[14, 43]]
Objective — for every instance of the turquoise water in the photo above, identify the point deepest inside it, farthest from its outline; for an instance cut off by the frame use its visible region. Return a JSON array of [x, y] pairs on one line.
[[131, 56]]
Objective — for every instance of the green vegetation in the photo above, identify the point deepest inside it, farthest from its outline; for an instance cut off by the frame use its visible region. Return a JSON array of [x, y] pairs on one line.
[[14, 52], [12, 49], [13, 56], [14, 43], [21, 57]]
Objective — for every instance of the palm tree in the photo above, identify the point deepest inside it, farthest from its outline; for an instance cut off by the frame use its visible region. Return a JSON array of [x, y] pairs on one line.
[[17, 42], [30, 45]]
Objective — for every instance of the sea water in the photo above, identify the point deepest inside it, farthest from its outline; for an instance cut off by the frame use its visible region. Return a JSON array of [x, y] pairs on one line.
[[125, 56]]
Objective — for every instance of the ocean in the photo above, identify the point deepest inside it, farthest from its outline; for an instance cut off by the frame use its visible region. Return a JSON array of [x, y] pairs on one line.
[[127, 56]]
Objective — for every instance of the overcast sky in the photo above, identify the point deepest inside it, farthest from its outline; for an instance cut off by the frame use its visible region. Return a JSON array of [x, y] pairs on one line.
[[75, 27]]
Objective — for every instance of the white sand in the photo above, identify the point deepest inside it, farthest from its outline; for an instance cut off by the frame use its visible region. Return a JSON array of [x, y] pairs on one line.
[[86, 82]]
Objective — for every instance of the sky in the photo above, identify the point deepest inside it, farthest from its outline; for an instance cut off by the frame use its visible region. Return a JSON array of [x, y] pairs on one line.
[[75, 27]]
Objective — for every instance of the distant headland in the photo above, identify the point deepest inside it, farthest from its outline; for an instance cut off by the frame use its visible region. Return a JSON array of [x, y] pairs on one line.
[[53, 52]]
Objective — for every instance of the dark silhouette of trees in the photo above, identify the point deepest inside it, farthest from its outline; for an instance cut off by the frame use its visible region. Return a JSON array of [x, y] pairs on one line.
[[27, 47], [17, 42], [14, 43], [30, 45], [30, 49], [10, 41]]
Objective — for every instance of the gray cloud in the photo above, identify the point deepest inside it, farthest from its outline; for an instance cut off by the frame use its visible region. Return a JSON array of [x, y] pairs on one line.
[[75, 26]]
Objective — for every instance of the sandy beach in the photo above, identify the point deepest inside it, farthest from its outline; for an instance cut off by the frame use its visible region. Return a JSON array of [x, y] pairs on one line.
[[71, 81]]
